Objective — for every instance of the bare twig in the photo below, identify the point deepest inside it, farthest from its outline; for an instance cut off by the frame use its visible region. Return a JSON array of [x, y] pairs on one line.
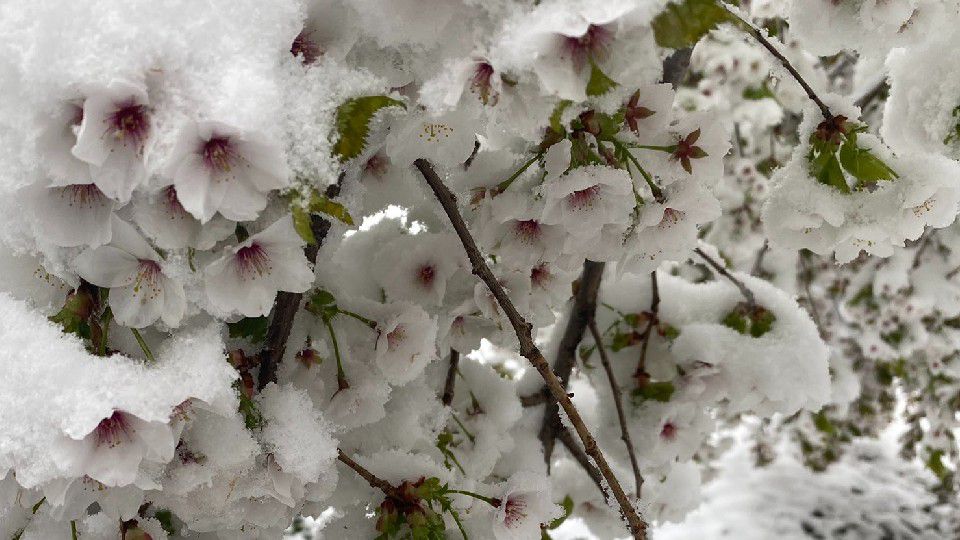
[[581, 313], [758, 35], [528, 348], [758, 262], [451, 381], [566, 438], [618, 402], [387, 488], [719, 268], [654, 315]]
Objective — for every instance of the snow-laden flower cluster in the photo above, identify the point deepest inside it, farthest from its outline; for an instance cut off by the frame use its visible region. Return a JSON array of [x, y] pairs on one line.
[[228, 298]]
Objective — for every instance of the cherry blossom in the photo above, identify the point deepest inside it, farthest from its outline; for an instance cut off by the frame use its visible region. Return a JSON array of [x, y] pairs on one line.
[[218, 168], [267, 262], [140, 292]]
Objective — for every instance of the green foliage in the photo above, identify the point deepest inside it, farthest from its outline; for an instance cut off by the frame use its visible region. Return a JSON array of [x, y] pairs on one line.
[[658, 391], [315, 204], [353, 123], [323, 304], [252, 417], [253, 329], [754, 321], [74, 314], [682, 23], [935, 463], [599, 83], [556, 117], [834, 151], [415, 516], [756, 93], [165, 517], [954, 135], [444, 441]]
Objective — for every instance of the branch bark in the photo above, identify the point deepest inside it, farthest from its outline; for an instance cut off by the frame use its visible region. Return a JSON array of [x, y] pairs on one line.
[[618, 402], [719, 268], [375, 482], [450, 384], [286, 305], [566, 438], [528, 348], [583, 311]]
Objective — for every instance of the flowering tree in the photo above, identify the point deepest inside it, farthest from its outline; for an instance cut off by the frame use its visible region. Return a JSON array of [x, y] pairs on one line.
[[269, 260]]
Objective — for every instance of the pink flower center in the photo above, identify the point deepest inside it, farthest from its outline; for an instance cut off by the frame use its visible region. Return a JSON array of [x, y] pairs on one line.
[[304, 46], [527, 231], [172, 200], [481, 84], [377, 165], [396, 337], [218, 153], [514, 511], [113, 430], [426, 274], [670, 217], [148, 279], [583, 199], [130, 122], [77, 117], [84, 195], [669, 431], [252, 259], [592, 44], [540, 276]]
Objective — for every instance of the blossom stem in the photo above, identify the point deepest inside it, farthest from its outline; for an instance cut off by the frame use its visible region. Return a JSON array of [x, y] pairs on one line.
[[341, 376], [73, 530], [648, 331], [654, 188], [502, 186], [372, 324], [618, 402], [143, 345], [528, 348], [105, 331], [464, 428], [758, 35], [492, 501]]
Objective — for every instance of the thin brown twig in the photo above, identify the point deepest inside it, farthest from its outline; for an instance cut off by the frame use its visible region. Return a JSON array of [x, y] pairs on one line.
[[376, 482], [529, 350], [451, 382], [654, 315], [566, 438], [618, 402], [746, 292], [758, 35], [582, 311], [758, 262]]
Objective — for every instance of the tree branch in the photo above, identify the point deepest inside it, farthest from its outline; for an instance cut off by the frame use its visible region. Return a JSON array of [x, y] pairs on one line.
[[746, 292], [565, 437], [618, 401], [286, 305], [375, 482], [641, 370], [758, 35], [581, 313], [528, 348], [451, 381]]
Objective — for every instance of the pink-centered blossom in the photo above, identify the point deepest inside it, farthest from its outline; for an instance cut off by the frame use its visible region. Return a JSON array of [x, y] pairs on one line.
[[525, 503], [248, 276], [73, 215], [164, 219], [218, 168], [140, 292], [116, 125]]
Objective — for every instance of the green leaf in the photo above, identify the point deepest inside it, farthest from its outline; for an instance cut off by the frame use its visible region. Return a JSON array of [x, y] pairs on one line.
[[825, 167], [755, 321], [567, 504], [936, 466], [325, 205], [756, 93], [599, 84], [862, 164], [353, 123], [683, 23], [823, 424], [301, 223], [252, 417], [165, 517], [253, 329], [657, 391], [556, 117]]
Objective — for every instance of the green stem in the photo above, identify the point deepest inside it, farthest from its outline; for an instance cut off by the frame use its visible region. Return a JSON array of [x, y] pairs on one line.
[[456, 519], [464, 428], [357, 316], [502, 186], [654, 188], [341, 375], [143, 345], [492, 501], [73, 530], [105, 331], [190, 253]]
